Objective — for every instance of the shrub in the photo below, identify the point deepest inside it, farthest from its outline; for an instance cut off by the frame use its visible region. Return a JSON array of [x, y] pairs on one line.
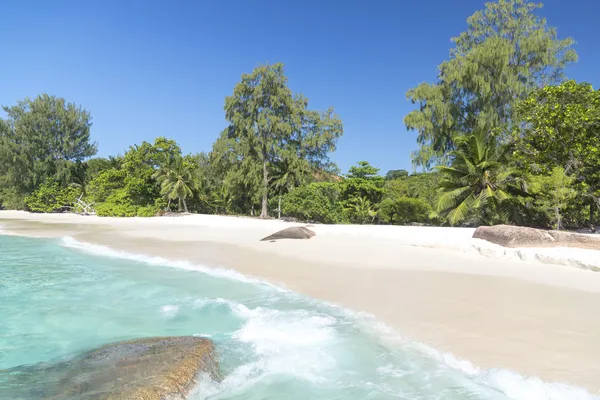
[[317, 201], [51, 197], [11, 199], [403, 210], [117, 204], [147, 211]]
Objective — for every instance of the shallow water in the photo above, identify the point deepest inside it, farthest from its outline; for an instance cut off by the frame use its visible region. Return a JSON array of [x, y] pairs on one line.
[[60, 298]]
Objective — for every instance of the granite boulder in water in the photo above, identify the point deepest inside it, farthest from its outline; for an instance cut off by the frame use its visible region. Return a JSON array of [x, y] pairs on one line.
[[294, 232], [162, 368]]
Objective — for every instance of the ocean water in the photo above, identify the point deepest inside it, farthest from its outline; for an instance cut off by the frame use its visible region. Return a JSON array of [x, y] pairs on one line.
[[60, 298]]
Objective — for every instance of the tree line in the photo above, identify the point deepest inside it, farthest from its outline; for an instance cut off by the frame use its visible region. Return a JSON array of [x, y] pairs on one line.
[[503, 137]]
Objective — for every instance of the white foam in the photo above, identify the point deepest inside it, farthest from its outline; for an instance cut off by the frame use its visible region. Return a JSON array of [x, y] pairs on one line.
[[295, 342], [170, 310], [512, 384], [99, 250]]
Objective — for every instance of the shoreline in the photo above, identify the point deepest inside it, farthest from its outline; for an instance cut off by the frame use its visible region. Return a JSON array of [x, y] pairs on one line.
[[532, 318]]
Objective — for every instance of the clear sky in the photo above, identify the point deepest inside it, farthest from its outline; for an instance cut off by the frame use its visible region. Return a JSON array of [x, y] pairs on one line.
[[148, 68]]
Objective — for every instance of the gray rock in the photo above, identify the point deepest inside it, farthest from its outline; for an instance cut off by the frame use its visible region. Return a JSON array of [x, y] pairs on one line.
[[518, 236], [163, 368], [295, 232]]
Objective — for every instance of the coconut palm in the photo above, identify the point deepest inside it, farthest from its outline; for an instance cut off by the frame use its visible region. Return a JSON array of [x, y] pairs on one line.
[[361, 210], [478, 183], [176, 181]]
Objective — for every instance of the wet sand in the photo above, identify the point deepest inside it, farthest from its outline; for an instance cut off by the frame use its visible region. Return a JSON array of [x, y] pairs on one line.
[[536, 319]]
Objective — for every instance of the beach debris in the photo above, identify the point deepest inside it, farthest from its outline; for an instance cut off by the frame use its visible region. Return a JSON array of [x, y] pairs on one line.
[[519, 236], [294, 232], [143, 369], [82, 207]]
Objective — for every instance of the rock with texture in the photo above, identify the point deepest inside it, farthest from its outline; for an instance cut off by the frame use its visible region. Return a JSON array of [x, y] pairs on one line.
[[518, 236], [163, 368], [295, 232]]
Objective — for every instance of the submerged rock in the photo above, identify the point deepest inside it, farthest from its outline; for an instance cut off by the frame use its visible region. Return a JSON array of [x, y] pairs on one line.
[[295, 232], [518, 236], [163, 368]]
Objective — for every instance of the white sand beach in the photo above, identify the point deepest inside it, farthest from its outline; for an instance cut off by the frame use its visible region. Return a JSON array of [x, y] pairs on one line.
[[534, 311]]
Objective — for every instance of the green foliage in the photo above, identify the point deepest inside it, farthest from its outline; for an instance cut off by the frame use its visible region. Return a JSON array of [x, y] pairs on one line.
[[12, 199], [147, 211], [396, 174], [270, 126], [404, 210], [317, 201], [360, 210], [117, 204], [362, 181], [51, 197], [131, 186], [505, 54], [561, 128], [478, 186], [552, 194], [420, 186], [105, 184], [40, 140], [175, 179]]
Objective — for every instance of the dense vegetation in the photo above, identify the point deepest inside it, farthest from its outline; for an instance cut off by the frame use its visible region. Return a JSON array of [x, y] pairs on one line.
[[503, 138]]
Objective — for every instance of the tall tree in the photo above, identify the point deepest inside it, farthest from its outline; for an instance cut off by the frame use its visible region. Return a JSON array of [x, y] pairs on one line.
[[269, 124], [41, 139], [176, 181], [505, 54], [560, 127], [362, 180]]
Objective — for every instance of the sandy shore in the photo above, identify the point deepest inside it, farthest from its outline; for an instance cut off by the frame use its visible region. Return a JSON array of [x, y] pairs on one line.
[[436, 285]]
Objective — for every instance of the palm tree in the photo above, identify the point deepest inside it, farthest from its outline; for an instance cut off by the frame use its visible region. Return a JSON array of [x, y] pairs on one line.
[[478, 183], [361, 210], [176, 181], [222, 200]]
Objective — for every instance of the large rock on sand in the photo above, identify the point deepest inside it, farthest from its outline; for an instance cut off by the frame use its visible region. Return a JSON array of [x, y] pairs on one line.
[[163, 368], [295, 232], [518, 236]]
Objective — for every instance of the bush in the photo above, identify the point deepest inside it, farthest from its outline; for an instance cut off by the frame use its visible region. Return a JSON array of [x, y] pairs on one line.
[[147, 211], [404, 210], [117, 204], [317, 201], [11, 199], [50, 197]]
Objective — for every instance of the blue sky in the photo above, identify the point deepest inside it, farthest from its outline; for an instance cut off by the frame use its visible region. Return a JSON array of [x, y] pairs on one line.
[[150, 68]]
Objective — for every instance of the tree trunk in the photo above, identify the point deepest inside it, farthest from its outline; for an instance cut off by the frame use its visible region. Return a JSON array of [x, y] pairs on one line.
[[169, 205], [179, 204], [592, 222], [264, 213], [185, 206], [279, 209]]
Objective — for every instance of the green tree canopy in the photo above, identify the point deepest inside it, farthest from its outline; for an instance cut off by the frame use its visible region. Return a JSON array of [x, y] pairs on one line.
[[506, 53], [552, 193], [478, 185], [317, 201], [40, 140], [176, 180], [362, 181], [270, 125], [560, 127], [396, 174]]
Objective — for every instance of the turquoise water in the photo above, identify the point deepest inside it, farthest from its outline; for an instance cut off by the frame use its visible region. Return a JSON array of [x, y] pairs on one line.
[[60, 298]]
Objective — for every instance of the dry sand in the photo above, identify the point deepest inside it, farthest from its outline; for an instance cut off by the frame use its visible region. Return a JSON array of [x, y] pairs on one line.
[[430, 284]]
